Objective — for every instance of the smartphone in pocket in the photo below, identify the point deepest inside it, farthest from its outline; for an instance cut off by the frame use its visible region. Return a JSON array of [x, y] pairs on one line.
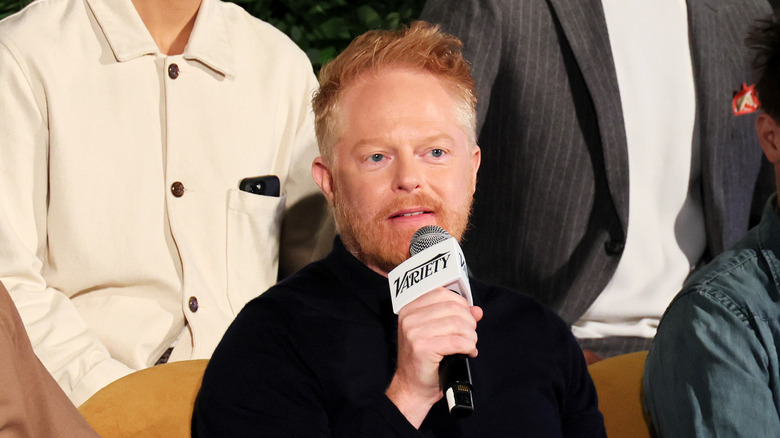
[[267, 185]]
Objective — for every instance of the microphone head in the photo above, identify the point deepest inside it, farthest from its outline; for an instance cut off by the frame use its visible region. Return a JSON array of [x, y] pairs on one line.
[[426, 237]]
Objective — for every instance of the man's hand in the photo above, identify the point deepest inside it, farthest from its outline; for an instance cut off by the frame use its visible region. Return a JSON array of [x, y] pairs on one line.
[[437, 324]]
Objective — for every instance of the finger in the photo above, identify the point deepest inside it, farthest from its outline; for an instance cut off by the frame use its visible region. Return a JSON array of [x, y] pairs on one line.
[[449, 345], [477, 313], [439, 319], [425, 332], [437, 295]]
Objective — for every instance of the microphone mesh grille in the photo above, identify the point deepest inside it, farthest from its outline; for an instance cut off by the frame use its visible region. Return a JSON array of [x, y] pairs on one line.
[[426, 237]]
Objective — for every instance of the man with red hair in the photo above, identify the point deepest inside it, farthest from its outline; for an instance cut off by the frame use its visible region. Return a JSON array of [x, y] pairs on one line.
[[322, 354]]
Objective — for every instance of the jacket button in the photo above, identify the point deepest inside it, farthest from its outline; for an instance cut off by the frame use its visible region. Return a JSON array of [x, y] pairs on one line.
[[177, 189], [173, 71], [193, 304], [614, 247]]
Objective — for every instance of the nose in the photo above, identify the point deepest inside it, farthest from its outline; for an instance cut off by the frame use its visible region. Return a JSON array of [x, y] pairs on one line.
[[408, 174]]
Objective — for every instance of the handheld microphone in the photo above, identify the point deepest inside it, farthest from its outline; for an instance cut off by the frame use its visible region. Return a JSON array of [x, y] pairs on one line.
[[437, 261]]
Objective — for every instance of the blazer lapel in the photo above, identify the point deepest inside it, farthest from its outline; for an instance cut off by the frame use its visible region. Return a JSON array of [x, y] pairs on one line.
[[585, 28]]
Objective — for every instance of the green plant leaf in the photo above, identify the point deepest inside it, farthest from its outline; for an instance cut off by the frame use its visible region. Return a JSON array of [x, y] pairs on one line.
[[369, 17]]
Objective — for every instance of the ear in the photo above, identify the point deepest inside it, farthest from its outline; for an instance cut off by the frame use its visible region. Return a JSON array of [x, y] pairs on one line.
[[769, 137], [322, 176], [476, 158]]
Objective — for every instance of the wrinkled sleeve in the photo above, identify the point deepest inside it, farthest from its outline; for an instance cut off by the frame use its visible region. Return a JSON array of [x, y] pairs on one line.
[[31, 403], [707, 372], [73, 355]]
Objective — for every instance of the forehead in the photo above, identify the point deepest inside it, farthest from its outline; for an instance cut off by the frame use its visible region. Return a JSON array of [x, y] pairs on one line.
[[397, 98], [393, 75]]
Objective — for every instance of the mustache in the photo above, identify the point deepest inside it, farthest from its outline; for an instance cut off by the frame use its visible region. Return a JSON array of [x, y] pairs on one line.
[[413, 200]]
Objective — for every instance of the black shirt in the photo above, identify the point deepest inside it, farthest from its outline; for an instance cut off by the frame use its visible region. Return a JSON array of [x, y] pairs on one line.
[[312, 357]]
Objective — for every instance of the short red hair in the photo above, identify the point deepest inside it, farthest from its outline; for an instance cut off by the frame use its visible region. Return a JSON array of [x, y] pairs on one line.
[[421, 46]]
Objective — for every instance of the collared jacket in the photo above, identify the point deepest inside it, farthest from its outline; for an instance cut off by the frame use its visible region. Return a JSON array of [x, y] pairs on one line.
[[713, 369], [120, 213]]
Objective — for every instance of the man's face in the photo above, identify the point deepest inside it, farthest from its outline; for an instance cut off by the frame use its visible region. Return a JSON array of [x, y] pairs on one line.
[[402, 161]]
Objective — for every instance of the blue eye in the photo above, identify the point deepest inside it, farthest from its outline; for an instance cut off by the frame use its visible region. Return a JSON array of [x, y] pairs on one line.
[[437, 153], [377, 158]]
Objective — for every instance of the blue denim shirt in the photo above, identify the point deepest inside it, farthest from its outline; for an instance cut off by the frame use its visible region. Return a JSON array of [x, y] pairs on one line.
[[713, 367]]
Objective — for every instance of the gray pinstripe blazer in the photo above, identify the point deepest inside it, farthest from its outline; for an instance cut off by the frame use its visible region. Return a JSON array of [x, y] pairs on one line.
[[551, 207]]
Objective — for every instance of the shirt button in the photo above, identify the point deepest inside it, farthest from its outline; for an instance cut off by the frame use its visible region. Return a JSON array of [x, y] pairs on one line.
[[173, 71], [177, 189], [193, 303], [614, 247]]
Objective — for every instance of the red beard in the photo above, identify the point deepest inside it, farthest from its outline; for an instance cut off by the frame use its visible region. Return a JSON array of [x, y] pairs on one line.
[[374, 242]]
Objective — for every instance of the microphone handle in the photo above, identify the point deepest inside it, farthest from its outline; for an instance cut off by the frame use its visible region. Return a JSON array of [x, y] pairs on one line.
[[455, 381]]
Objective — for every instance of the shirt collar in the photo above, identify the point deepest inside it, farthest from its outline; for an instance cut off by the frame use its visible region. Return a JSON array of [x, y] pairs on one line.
[[769, 238], [128, 37], [367, 286]]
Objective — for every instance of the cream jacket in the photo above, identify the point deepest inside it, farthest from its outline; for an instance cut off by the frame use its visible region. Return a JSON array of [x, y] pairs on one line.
[[101, 258]]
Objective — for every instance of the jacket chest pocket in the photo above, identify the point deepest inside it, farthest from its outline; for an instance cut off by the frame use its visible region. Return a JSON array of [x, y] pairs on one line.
[[253, 228]]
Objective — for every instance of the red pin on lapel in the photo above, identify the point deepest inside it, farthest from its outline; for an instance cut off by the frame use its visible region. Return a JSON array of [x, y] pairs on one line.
[[745, 101]]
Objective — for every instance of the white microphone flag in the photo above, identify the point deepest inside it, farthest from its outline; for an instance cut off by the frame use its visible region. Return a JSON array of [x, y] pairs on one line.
[[440, 265]]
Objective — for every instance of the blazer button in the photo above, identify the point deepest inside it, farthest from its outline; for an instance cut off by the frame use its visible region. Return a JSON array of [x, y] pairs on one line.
[[173, 71], [177, 189], [614, 247], [193, 304]]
